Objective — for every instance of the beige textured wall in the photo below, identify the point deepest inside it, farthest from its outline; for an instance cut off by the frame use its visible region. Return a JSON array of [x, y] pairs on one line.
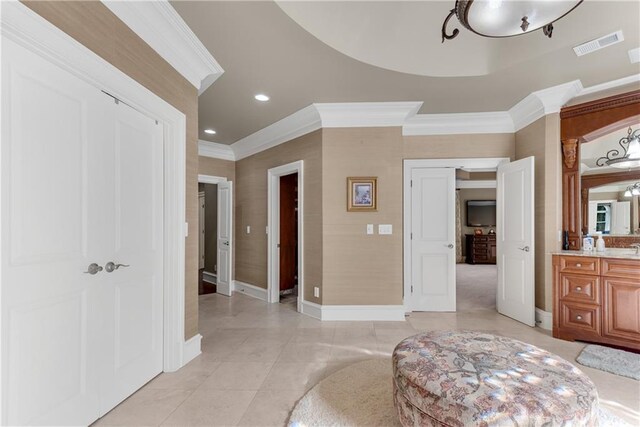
[[96, 27], [363, 269], [251, 210], [541, 139], [360, 268]]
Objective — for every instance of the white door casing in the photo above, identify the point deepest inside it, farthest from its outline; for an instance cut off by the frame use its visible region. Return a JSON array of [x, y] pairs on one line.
[[81, 184], [515, 240], [433, 254], [273, 230], [225, 237]]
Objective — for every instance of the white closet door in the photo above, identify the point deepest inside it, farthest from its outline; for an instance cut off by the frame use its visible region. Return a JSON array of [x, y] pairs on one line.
[[132, 296], [51, 210]]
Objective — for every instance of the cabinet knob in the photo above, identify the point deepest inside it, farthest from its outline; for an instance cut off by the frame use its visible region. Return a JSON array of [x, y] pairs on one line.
[[578, 288], [578, 265], [578, 317]]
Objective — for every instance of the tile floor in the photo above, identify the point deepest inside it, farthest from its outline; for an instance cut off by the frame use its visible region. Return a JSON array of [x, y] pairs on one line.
[[258, 359]]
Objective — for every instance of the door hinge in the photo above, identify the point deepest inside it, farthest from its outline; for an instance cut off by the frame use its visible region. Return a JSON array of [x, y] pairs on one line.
[[411, 238], [411, 183], [411, 288]]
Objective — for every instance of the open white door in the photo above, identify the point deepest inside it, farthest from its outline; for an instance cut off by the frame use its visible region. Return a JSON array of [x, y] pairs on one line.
[[433, 253], [225, 232], [515, 241]]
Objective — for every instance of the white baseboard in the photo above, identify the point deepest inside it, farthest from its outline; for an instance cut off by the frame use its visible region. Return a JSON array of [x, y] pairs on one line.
[[191, 349], [209, 277], [311, 309], [363, 312], [394, 313], [251, 290], [544, 319]]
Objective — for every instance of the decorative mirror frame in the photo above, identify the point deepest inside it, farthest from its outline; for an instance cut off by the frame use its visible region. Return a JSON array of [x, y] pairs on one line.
[[580, 124]]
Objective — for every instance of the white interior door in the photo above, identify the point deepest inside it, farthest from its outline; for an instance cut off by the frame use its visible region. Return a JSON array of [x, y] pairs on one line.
[[225, 233], [433, 252], [515, 240], [132, 297], [81, 183]]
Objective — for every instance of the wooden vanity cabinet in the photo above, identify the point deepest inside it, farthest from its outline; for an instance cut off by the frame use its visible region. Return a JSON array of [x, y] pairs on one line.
[[597, 299]]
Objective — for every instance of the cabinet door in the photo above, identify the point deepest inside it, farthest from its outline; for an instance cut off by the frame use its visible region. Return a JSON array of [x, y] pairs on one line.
[[622, 307]]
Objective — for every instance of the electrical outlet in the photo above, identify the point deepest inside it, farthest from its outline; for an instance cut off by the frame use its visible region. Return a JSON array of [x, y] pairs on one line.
[[369, 228], [248, 229], [316, 292]]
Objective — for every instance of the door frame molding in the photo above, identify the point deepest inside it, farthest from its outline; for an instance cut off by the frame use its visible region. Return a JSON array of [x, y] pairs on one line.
[[33, 32], [212, 179], [408, 166], [273, 229]]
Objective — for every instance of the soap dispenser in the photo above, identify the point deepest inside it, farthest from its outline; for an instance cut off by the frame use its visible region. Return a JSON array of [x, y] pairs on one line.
[[600, 247]]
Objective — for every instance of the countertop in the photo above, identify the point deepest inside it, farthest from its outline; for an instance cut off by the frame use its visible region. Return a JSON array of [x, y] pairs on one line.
[[625, 253]]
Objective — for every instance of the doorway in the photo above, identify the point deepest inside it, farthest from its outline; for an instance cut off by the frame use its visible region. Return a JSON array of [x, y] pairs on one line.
[[215, 228], [476, 269], [430, 241], [208, 236], [285, 233], [288, 238]]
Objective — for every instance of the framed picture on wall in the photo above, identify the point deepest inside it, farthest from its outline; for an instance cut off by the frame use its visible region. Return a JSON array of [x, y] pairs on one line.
[[362, 194]]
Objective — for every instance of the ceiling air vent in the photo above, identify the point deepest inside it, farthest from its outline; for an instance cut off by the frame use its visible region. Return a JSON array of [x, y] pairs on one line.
[[599, 43]]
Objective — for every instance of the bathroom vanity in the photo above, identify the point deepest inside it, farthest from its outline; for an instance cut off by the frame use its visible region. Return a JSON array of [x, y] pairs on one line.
[[596, 297]]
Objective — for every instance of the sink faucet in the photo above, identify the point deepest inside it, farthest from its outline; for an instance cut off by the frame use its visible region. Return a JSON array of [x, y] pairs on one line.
[[637, 246]]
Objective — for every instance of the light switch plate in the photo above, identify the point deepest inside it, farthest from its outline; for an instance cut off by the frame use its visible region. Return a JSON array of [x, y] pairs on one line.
[[385, 229], [316, 292], [369, 228], [248, 229]]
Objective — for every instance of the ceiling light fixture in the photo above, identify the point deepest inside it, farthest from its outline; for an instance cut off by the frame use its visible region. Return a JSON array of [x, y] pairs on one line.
[[629, 157], [210, 131], [633, 190], [261, 97], [507, 18]]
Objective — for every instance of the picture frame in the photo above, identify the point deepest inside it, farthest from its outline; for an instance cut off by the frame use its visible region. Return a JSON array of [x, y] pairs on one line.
[[362, 194]]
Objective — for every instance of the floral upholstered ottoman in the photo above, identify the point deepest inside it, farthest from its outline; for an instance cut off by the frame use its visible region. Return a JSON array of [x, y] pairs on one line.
[[467, 378]]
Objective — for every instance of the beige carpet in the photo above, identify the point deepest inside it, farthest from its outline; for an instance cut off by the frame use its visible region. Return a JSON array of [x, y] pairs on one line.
[[361, 395], [476, 287]]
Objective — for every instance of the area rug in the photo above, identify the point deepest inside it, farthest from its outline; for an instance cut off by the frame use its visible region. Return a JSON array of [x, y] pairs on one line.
[[361, 395], [607, 359]]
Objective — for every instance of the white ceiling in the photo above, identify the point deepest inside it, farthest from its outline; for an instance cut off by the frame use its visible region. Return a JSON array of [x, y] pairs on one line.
[[326, 55]]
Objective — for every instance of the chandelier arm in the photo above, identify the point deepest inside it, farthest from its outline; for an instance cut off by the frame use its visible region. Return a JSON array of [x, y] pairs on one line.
[[611, 154], [444, 27]]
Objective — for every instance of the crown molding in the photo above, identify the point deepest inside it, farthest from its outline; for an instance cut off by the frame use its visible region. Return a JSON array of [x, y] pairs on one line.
[[366, 114], [460, 123], [162, 28], [297, 124], [634, 78], [543, 102], [215, 150]]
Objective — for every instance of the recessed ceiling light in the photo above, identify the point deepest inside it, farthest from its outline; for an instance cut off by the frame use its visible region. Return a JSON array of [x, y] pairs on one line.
[[262, 97], [210, 131]]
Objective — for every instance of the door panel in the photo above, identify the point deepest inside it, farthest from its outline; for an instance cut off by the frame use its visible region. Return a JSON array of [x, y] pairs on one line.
[[515, 244], [133, 295], [50, 234], [225, 203], [433, 239]]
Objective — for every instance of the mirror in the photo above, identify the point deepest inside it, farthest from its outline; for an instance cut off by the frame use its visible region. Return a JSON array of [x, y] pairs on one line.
[[581, 126], [608, 205]]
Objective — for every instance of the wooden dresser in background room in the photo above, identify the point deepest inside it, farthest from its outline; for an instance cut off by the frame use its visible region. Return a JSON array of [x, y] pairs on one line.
[[481, 249], [597, 299]]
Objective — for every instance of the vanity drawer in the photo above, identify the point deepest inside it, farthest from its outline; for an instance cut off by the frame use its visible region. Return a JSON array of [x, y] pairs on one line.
[[618, 267], [585, 317], [580, 264], [580, 288]]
